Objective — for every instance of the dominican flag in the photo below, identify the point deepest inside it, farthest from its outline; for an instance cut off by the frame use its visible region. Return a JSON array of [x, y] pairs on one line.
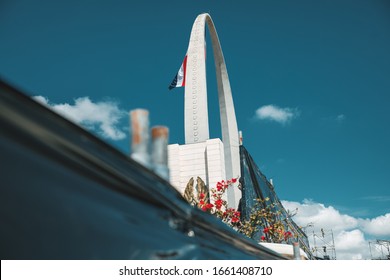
[[180, 78]]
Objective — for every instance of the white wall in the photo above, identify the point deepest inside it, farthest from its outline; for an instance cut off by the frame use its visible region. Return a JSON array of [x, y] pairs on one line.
[[205, 159]]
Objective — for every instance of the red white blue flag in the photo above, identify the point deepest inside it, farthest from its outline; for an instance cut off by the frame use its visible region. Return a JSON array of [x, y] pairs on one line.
[[180, 78]]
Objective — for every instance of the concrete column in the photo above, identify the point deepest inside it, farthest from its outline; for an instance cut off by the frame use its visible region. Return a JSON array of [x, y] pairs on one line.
[[139, 119], [160, 151]]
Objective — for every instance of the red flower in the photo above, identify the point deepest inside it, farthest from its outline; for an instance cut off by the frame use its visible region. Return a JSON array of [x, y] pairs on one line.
[[209, 205], [218, 203], [265, 230], [287, 235], [235, 220], [201, 202], [234, 180], [230, 210], [263, 238], [201, 196]]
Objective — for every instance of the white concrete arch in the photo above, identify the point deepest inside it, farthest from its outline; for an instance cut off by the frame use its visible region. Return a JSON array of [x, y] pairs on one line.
[[196, 112]]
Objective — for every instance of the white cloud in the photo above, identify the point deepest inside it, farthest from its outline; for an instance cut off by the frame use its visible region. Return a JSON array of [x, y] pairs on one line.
[[41, 99], [347, 240], [377, 198], [277, 114], [350, 233], [352, 245], [379, 226], [317, 213], [102, 117], [340, 118]]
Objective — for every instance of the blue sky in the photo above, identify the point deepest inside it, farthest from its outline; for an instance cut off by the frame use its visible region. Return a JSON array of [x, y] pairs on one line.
[[310, 82]]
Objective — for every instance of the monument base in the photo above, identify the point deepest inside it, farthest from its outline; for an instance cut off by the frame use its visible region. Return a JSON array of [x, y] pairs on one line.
[[204, 159]]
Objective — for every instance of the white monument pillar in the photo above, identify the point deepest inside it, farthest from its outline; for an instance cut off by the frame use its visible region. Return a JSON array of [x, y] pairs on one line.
[[196, 119], [196, 113]]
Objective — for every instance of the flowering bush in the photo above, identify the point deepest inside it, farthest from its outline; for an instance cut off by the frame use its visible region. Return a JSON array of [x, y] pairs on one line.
[[264, 215], [219, 206]]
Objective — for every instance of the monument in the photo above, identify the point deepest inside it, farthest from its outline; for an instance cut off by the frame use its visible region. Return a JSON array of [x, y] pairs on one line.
[[212, 160], [208, 160]]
